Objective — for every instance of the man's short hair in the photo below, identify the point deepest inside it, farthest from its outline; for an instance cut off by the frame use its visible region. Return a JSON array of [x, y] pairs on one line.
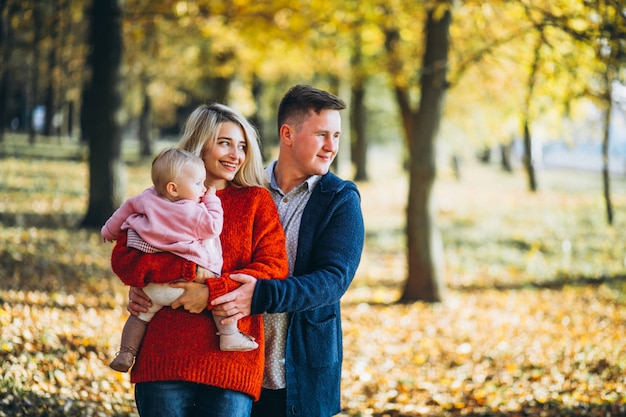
[[302, 99]]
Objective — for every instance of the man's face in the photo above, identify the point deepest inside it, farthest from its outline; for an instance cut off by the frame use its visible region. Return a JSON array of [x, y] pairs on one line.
[[316, 142]]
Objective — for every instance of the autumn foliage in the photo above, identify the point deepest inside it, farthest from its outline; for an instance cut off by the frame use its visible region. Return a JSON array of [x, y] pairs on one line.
[[533, 323]]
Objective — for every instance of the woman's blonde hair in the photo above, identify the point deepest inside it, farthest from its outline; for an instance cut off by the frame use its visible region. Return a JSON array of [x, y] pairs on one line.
[[168, 164], [200, 135]]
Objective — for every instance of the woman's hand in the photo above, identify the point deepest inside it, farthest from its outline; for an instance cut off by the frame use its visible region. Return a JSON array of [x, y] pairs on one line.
[[138, 302], [194, 299]]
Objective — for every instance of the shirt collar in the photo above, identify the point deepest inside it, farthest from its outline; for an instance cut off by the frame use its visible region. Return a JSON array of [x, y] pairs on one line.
[[310, 181]]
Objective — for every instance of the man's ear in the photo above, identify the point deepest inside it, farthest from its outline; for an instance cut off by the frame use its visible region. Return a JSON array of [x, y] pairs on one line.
[[286, 134], [171, 189]]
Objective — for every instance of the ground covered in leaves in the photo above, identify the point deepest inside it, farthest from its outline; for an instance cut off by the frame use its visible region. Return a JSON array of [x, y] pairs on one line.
[[532, 324]]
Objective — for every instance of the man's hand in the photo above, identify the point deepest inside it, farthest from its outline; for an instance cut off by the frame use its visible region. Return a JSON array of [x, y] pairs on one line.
[[237, 303], [195, 297], [138, 301]]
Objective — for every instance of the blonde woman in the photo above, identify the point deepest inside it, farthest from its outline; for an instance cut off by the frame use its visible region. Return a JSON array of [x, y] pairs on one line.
[[180, 370]]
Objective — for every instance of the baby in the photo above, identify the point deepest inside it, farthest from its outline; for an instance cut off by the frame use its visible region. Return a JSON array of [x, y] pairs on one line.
[[179, 214]]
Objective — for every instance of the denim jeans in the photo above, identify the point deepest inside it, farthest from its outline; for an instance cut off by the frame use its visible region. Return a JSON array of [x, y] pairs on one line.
[[273, 403], [188, 399]]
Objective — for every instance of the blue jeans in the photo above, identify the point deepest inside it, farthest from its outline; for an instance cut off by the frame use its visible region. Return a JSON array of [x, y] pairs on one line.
[[188, 399], [273, 403]]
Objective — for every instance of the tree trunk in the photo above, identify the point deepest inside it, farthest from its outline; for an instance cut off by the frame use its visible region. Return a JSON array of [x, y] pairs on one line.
[[406, 113], [145, 126], [529, 164], [50, 98], [257, 119], [358, 114], [70, 119], [505, 155], [220, 89], [358, 141], [33, 95], [104, 136], [606, 177], [85, 102], [425, 248], [5, 56]]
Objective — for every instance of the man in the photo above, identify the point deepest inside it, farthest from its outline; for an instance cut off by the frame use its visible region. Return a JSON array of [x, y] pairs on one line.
[[323, 223]]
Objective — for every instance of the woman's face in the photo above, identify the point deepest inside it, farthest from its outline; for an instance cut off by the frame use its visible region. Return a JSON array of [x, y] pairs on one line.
[[224, 159]]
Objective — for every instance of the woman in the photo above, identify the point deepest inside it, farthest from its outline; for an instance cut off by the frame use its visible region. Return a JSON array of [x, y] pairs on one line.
[[180, 370]]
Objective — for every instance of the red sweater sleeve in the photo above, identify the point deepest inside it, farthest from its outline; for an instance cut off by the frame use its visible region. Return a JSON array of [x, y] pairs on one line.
[[136, 268]]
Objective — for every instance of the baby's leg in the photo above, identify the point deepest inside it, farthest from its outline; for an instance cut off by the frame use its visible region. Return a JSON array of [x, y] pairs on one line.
[[132, 335], [135, 328], [231, 339]]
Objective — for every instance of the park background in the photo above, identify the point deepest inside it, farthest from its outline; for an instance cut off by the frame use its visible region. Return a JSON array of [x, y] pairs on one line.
[[499, 126]]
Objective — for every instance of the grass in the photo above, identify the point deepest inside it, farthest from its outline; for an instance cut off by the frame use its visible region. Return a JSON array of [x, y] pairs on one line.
[[532, 324]]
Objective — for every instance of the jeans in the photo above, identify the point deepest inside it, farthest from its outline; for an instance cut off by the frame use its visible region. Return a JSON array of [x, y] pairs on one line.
[[273, 403], [188, 399]]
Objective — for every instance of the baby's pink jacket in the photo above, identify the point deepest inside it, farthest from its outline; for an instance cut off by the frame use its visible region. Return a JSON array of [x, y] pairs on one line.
[[188, 229]]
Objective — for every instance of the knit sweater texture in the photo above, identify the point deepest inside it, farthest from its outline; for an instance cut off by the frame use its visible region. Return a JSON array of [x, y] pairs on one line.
[[181, 346]]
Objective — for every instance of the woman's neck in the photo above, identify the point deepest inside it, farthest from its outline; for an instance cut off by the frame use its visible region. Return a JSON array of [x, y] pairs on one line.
[[218, 184]]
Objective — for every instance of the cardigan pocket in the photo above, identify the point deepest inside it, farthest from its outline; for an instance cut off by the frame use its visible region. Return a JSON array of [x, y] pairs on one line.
[[322, 342]]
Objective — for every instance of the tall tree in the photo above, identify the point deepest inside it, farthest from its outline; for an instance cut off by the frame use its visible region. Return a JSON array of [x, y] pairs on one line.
[[425, 248], [600, 27], [611, 52], [103, 118], [527, 120]]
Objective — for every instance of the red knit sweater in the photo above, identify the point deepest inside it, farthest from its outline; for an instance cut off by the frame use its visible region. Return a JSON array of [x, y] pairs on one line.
[[183, 346]]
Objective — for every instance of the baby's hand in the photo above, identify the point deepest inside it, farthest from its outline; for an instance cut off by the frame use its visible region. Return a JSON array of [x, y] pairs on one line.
[[210, 189], [202, 274]]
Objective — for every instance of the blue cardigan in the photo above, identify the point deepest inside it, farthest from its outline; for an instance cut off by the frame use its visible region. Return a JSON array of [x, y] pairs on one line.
[[330, 244]]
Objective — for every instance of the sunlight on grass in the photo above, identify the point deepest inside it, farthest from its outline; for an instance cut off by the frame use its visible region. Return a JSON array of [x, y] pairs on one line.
[[496, 232]]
